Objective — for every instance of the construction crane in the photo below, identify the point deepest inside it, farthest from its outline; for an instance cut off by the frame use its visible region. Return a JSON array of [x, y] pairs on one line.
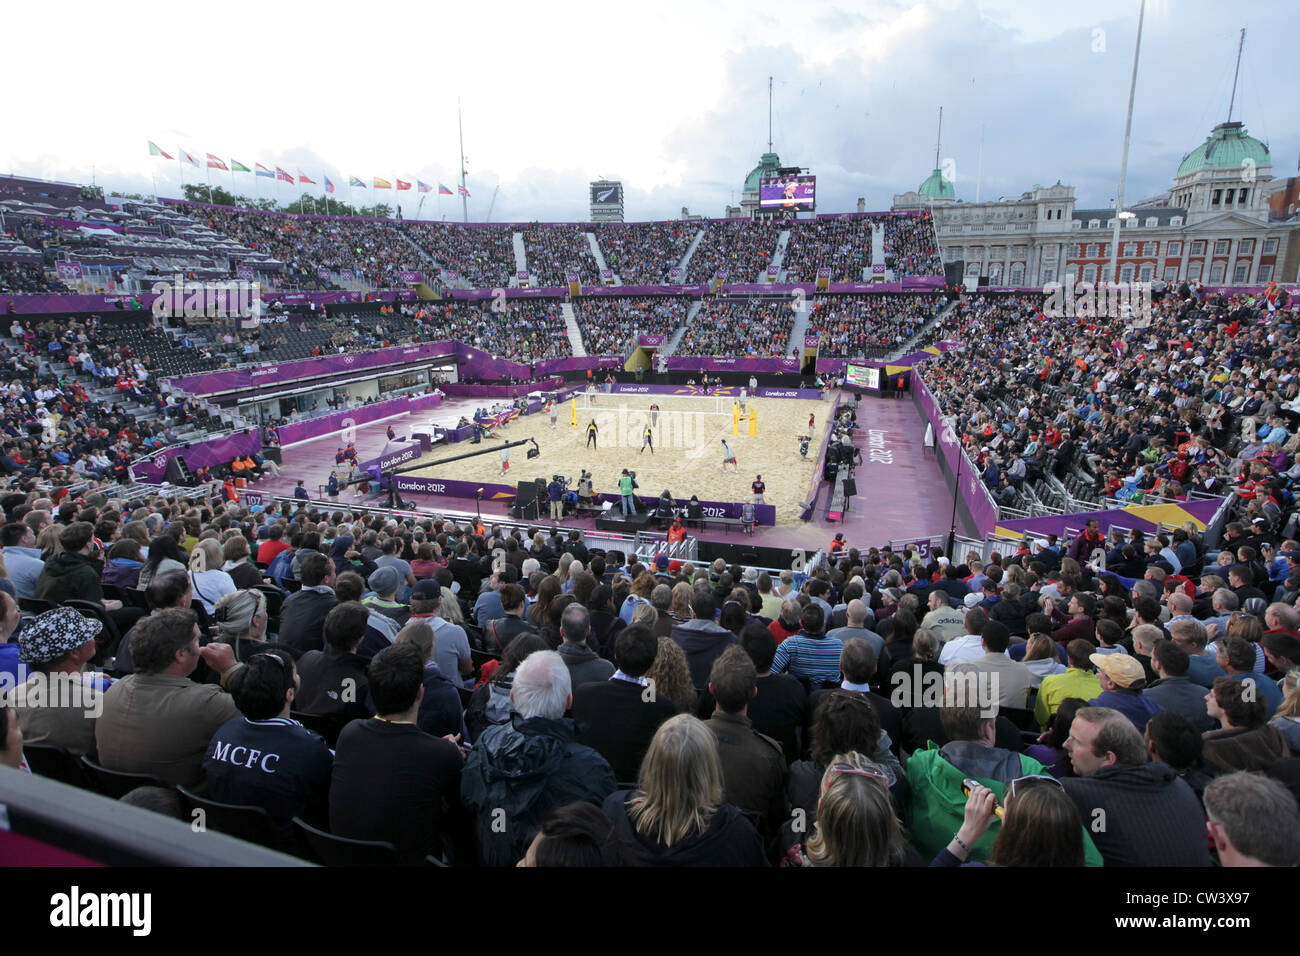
[[492, 203]]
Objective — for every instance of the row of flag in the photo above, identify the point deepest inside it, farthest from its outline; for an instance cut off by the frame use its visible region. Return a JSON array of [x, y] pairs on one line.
[[281, 175]]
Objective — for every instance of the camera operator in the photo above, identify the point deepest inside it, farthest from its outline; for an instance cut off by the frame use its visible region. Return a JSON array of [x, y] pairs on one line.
[[555, 495], [585, 496], [626, 487]]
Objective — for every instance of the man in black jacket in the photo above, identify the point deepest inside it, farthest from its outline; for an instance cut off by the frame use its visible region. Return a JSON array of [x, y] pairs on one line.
[[753, 765], [518, 772], [1138, 813], [334, 680], [302, 616], [618, 717], [503, 630], [391, 780]]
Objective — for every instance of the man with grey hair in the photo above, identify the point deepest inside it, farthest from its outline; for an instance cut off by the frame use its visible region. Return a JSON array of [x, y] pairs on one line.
[[1180, 606], [520, 771], [585, 665], [1253, 821], [1224, 603], [856, 626], [1138, 813], [1202, 667]]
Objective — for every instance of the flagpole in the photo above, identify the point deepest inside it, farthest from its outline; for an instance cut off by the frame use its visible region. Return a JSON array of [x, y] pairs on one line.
[[464, 188], [208, 170], [180, 166]]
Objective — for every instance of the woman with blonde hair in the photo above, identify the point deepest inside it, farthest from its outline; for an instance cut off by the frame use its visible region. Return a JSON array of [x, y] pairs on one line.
[[856, 824], [676, 816], [206, 577], [1287, 719], [645, 614], [680, 608], [672, 676]]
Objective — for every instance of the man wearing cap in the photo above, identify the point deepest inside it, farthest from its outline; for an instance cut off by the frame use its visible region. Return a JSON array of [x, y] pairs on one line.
[[384, 582], [58, 704], [1122, 681], [157, 720], [451, 645]]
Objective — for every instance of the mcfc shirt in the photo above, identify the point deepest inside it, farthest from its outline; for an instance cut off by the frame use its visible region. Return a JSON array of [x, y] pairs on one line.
[[277, 764]]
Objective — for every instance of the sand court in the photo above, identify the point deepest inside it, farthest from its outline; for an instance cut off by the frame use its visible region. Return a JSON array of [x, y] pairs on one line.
[[687, 457]]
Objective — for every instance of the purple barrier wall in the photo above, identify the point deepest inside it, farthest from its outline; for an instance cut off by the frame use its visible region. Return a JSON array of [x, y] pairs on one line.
[[1202, 509], [500, 391], [30, 304], [204, 454], [978, 501], [724, 392], [453, 488], [651, 341], [296, 432], [234, 379], [557, 366], [395, 453], [724, 364]]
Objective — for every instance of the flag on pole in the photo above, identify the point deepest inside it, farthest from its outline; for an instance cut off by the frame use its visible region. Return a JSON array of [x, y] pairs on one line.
[[403, 184], [304, 179], [444, 191], [155, 151], [282, 176], [216, 163], [423, 187], [329, 186], [190, 159], [382, 183], [353, 181], [462, 190], [237, 167], [263, 171]]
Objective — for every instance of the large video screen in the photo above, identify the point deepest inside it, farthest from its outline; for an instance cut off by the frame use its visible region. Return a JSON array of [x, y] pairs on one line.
[[787, 192], [863, 376], [606, 194]]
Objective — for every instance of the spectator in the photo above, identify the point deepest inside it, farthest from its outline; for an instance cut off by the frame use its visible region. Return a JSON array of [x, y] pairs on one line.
[[1252, 821], [1246, 741], [522, 770], [1151, 818], [676, 816], [333, 681], [58, 703], [302, 616]]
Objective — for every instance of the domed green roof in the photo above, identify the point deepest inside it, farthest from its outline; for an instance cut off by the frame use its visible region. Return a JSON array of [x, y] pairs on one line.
[[936, 187], [1227, 147], [768, 164]]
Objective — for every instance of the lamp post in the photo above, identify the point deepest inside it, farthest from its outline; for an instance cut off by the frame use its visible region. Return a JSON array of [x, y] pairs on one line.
[[1123, 165]]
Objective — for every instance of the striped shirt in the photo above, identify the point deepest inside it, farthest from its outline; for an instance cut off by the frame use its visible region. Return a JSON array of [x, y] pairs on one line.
[[816, 658]]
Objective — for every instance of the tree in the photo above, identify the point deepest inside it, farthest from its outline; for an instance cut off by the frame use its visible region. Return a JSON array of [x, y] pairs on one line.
[[380, 211]]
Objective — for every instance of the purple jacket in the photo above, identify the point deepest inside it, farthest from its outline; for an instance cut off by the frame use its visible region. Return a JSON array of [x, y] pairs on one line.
[[122, 573]]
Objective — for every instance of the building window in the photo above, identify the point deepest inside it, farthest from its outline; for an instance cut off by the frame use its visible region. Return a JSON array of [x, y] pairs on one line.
[[1152, 222], [1270, 247], [1266, 273], [1144, 275], [1215, 197], [1198, 247], [1092, 251], [1193, 272], [1175, 249], [1221, 247], [1090, 273], [1130, 249], [1126, 272], [1246, 247], [1094, 223], [1076, 223], [1017, 273], [1049, 273], [1150, 248], [1176, 220], [1171, 273], [1217, 269], [1240, 272], [1241, 197], [1105, 273], [972, 268]]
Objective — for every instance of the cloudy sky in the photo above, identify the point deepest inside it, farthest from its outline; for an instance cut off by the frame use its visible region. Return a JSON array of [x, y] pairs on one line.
[[669, 97]]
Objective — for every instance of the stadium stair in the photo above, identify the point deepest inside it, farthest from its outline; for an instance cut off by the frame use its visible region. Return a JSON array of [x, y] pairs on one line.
[[676, 337], [521, 258], [909, 346], [600, 258], [684, 265], [428, 260], [778, 257], [575, 333], [794, 346]]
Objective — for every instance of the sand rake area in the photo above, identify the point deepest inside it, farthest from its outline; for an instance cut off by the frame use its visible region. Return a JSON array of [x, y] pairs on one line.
[[687, 457]]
